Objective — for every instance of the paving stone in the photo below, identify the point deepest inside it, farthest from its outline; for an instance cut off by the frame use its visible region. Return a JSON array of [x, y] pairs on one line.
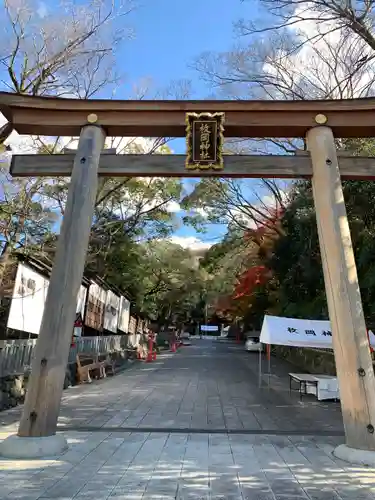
[[286, 487], [204, 387], [355, 492], [289, 497], [321, 494], [192, 495], [254, 494], [127, 495], [226, 496], [159, 494], [23, 495], [55, 498]]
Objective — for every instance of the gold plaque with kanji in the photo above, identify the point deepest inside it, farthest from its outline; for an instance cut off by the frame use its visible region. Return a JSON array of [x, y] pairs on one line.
[[204, 141]]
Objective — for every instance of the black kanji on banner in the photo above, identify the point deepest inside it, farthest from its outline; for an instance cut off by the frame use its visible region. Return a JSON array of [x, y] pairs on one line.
[[310, 332], [292, 330]]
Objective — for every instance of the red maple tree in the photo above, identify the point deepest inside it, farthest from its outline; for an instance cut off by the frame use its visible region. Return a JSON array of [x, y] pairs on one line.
[[249, 280]]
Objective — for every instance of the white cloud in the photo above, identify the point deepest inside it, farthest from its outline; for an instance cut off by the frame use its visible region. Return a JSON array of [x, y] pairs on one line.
[[133, 201], [170, 206], [266, 204], [204, 212], [235, 215], [42, 10], [173, 207], [20, 144], [27, 144], [191, 242], [123, 145], [323, 66], [269, 200]]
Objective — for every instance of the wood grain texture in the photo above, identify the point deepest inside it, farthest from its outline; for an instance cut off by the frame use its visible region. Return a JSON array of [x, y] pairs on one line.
[[58, 116], [107, 151], [45, 385], [174, 166], [349, 335]]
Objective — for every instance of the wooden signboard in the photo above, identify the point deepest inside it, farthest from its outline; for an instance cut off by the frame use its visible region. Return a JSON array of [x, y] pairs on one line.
[[140, 326], [95, 313], [204, 141], [132, 325]]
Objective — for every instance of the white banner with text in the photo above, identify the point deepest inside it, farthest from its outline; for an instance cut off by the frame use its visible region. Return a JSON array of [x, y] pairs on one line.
[[299, 332]]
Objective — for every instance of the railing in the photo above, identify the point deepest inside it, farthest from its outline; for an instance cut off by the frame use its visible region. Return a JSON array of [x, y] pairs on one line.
[[16, 355], [98, 345]]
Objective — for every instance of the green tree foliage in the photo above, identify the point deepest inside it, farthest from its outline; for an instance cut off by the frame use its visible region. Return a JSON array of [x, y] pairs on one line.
[[224, 263], [170, 281], [295, 261], [295, 287], [321, 50], [71, 52], [239, 203]]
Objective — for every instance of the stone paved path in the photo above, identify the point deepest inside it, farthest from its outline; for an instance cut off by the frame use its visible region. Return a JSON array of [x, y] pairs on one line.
[[160, 431]]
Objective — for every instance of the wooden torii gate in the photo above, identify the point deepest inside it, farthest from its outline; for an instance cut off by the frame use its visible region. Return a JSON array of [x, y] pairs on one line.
[[317, 121]]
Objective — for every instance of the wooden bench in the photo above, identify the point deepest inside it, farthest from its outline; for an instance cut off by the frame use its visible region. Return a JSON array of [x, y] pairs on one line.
[[86, 364], [132, 352], [106, 365]]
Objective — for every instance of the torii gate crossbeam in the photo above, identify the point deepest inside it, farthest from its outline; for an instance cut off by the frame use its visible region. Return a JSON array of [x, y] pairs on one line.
[[319, 122], [64, 117]]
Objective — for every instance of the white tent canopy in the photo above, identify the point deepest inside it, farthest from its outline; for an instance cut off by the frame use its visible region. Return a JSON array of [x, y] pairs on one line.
[[299, 332]]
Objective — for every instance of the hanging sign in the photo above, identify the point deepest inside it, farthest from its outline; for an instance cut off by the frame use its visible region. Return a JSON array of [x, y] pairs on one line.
[[78, 324], [78, 321], [209, 328], [204, 141], [300, 332]]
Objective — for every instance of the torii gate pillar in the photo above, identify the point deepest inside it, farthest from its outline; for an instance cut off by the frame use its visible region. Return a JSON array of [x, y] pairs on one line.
[[352, 355], [37, 431]]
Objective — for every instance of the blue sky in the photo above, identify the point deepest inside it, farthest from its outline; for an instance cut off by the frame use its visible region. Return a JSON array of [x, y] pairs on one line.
[[169, 35]]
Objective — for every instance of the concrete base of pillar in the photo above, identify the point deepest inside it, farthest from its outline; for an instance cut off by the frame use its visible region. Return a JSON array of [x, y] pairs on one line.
[[354, 456], [33, 447]]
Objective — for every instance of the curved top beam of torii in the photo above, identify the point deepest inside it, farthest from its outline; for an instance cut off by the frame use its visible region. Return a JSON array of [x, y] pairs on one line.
[[65, 117]]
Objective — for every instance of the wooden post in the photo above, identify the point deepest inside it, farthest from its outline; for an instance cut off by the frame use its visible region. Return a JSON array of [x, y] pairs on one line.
[[353, 361], [45, 386]]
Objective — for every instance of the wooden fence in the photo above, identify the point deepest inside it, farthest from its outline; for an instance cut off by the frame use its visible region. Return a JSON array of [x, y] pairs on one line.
[[16, 355]]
